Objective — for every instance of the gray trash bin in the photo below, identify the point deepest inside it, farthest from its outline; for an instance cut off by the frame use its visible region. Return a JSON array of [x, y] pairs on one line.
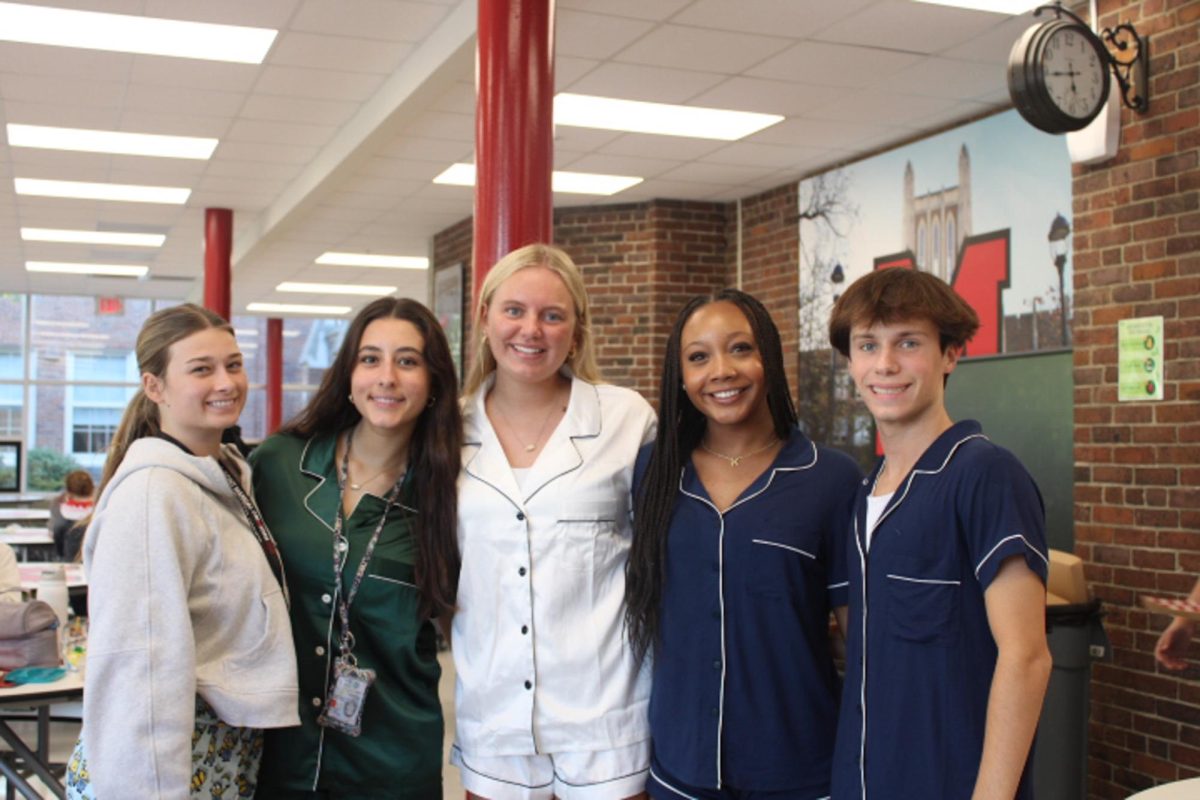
[[1076, 637]]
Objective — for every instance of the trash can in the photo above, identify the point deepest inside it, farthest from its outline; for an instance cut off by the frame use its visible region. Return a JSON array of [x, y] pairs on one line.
[[1076, 637]]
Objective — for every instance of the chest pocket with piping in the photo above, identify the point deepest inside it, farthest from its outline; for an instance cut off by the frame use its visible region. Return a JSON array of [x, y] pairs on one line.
[[588, 529], [922, 604]]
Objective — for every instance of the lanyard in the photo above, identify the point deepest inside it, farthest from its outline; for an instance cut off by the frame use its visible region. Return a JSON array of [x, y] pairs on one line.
[[258, 526], [341, 548]]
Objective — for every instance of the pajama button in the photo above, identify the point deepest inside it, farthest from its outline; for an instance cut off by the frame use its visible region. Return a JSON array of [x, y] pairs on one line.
[[520, 516], [316, 701], [524, 629], [521, 571], [320, 650], [326, 598], [528, 685]]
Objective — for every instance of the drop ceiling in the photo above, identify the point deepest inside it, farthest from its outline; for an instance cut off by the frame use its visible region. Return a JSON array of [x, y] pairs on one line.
[[333, 141]]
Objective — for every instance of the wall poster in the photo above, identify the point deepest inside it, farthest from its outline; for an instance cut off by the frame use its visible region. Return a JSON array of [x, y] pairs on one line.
[[448, 308], [986, 206]]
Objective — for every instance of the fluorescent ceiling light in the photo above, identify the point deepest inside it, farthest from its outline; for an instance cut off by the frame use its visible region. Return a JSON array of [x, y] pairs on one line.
[[1011, 7], [128, 144], [335, 288], [93, 237], [112, 270], [53, 323], [124, 33], [292, 308], [72, 335], [102, 191], [372, 260], [560, 181], [613, 114], [240, 332]]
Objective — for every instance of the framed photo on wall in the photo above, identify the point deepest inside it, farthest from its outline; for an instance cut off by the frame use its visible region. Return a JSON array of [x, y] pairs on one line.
[[448, 308]]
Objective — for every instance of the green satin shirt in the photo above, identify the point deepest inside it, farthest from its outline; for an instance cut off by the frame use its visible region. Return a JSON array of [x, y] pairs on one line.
[[399, 754]]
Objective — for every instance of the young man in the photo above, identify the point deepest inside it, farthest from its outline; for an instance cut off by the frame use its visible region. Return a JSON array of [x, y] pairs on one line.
[[946, 661]]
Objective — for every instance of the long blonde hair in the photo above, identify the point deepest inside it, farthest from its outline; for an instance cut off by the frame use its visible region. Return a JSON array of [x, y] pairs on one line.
[[161, 330], [583, 355]]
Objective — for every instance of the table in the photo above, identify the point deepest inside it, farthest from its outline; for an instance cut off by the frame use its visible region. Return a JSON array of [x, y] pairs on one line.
[[1179, 790], [29, 541], [24, 515], [31, 574], [25, 499], [39, 696]]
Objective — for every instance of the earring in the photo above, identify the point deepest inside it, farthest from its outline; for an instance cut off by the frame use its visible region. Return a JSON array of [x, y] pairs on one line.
[[432, 400], [350, 397]]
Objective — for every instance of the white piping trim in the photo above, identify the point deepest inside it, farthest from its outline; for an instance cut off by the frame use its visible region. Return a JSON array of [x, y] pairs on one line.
[[392, 580], [837, 585], [669, 787], [1001, 543], [936, 581], [784, 547]]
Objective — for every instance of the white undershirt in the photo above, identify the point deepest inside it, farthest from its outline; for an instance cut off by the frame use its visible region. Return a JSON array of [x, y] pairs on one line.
[[520, 473], [875, 506]]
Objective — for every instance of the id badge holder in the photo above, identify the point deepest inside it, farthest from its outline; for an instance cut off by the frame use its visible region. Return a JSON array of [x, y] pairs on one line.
[[347, 695]]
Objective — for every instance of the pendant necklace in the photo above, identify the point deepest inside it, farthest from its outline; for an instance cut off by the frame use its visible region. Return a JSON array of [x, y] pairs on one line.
[[357, 486], [737, 460], [528, 448]]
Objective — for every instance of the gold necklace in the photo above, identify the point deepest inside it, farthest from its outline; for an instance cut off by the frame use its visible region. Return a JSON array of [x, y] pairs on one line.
[[737, 460], [360, 484], [529, 448]]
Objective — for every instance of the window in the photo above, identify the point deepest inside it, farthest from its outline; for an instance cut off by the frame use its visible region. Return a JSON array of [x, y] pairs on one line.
[[951, 245], [921, 244], [94, 412], [936, 251], [10, 395]]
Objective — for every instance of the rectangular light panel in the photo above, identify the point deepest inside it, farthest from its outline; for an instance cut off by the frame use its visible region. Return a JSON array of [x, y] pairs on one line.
[[110, 270], [335, 288], [1010, 7], [372, 260], [125, 33], [560, 181], [122, 192], [92, 141], [93, 237], [295, 308], [664, 119]]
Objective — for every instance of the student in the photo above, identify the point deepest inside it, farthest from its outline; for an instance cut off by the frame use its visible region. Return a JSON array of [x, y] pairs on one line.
[[67, 508], [1171, 649], [189, 653], [946, 661], [360, 489], [550, 701], [738, 557]]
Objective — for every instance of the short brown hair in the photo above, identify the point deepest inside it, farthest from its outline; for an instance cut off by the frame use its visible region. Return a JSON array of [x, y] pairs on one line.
[[895, 294], [79, 483]]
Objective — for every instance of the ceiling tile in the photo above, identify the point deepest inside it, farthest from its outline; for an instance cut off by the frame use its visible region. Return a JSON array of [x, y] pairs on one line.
[[257, 14], [794, 18], [317, 84], [337, 52], [390, 20], [943, 77], [273, 153], [250, 130], [192, 74], [637, 9], [765, 155], [826, 64], [68, 62], [701, 49], [585, 35], [415, 148], [905, 25], [182, 100], [768, 96], [676, 147], [641, 82], [298, 109]]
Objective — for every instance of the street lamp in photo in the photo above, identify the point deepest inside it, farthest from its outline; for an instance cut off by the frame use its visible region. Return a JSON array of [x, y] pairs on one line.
[[836, 278], [1060, 229]]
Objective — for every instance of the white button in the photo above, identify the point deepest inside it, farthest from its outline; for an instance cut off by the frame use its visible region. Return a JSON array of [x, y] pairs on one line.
[[320, 650], [342, 545], [316, 701], [326, 598]]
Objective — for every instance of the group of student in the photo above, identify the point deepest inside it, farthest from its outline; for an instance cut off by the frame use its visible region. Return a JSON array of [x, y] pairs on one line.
[[636, 606]]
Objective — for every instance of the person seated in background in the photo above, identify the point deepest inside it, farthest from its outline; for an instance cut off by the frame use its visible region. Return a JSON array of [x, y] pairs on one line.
[[68, 507]]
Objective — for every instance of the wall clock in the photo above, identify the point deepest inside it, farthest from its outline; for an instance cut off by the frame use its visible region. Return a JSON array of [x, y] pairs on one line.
[[1058, 75]]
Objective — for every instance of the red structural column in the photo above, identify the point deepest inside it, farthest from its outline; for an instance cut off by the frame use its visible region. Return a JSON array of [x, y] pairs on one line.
[[274, 374], [514, 129], [218, 245]]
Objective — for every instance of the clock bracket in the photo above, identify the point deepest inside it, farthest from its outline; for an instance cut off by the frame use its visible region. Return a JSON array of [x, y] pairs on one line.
[[1128, 55]]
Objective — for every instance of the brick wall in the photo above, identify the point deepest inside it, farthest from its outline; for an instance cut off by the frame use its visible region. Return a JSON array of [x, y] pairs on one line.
[[641, 262], [1137, 501]]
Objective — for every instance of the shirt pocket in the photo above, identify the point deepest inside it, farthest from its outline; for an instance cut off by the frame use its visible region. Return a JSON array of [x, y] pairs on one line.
[[262, 645], [588, 531], [783, 564], [922, 605]]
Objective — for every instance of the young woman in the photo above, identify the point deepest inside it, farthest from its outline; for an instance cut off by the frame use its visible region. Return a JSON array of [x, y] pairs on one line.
[[189, 651], [550, 701], [360, 488], [738, 557], [74, 503]]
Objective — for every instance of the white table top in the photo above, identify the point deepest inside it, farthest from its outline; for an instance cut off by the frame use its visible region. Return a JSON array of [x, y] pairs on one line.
[[1179, 790], [25, 534], [31, 574], [24, 514], [66, 687]]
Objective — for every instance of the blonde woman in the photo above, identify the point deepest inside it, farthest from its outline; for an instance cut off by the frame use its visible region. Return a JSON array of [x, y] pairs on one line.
[[550, 701], [189, 647]]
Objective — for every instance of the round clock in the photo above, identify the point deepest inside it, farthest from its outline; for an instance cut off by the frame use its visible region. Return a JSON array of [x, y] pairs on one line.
[[1058, 76]]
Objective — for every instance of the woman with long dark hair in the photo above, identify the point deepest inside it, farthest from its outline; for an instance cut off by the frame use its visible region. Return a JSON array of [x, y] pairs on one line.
[[360, 489], [189, 648], [738, 557]]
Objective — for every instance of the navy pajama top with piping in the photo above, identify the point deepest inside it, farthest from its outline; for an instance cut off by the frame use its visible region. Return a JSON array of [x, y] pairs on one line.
[[744, 692], [920, 653]]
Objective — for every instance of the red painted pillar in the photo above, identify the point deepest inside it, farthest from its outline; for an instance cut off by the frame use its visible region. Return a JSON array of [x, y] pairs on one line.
[[274, 374], [514, 129], [218, 245]]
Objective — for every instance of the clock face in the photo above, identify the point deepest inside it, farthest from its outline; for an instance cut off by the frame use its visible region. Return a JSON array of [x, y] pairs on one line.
[[1073, 73]]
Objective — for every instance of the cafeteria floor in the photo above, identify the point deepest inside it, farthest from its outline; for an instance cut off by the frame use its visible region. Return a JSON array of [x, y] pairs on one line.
[[64, 733]]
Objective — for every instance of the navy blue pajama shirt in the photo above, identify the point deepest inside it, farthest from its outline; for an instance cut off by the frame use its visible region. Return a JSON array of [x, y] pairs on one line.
[[919, 651], [745, 693]]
